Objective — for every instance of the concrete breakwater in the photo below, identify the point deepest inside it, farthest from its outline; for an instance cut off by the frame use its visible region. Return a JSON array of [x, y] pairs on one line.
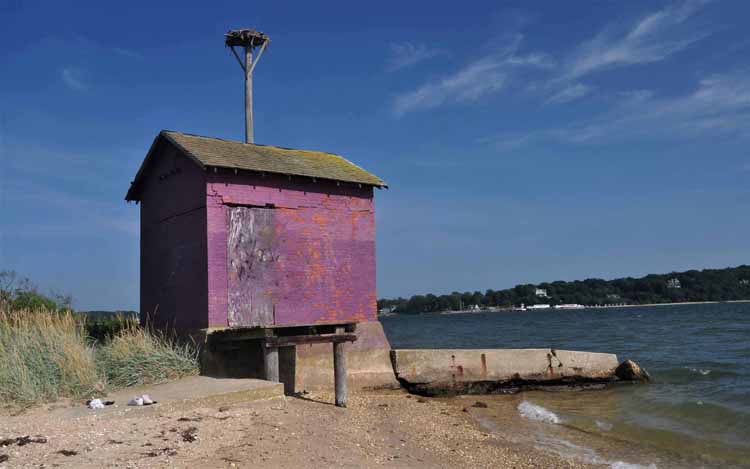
[[485, 371]]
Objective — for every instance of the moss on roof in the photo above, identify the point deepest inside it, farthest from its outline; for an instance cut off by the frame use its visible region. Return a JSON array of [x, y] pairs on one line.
[[220, 153], [238, 155]]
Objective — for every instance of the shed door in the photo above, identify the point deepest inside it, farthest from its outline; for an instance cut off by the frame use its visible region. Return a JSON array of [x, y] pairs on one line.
[[252, 253]]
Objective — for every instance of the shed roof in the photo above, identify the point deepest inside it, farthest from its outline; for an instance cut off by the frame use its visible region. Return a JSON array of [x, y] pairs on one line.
[[220, 153]]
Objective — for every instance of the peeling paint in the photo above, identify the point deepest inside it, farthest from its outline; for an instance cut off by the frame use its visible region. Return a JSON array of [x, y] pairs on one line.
[[324, 264]]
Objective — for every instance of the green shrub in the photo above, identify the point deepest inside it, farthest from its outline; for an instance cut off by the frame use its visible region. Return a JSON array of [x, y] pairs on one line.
[[33, 300], [104, 329]]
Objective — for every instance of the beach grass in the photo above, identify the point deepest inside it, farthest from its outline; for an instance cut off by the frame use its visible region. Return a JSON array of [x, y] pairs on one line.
[[136, 356], [47, 355]]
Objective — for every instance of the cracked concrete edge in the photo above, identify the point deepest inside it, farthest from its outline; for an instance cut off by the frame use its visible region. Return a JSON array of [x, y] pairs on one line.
[[492, 370]]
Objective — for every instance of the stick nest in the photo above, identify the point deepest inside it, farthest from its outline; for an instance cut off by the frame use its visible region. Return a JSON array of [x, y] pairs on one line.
[[245, 38]]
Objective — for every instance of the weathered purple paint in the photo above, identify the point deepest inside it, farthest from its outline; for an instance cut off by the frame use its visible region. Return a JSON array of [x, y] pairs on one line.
[[174, 280], [321, 236], [324, 268]]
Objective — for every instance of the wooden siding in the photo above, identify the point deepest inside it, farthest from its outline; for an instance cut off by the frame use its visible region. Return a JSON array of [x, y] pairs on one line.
[[252, 255]]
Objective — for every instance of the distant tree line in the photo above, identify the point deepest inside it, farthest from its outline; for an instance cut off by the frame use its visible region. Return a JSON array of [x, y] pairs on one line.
[[693, 285], [18, 293]]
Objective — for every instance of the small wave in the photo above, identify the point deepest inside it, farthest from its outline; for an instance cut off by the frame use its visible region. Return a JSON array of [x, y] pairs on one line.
[[689, 374], [537, 412], [568, 449], [627, 465]]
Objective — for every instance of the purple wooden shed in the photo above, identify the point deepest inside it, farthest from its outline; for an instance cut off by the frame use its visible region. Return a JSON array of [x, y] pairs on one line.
[[239, 235]]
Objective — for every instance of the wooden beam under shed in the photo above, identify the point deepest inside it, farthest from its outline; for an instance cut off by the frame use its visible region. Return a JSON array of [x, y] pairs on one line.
[[284, 341]]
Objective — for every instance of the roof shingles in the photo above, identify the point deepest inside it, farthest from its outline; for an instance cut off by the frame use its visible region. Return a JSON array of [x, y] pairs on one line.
[[219, 153], [238, 155]]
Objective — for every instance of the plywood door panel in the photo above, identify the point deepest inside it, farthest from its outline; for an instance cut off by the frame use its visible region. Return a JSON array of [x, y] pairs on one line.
[[252, 250]]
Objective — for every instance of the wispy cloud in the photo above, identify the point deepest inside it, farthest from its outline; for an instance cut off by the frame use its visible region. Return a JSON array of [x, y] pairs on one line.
[[476, 80], [57, 206], [719, 106], [569, 93], [406, 54], [653, 38], [469, 84], [73, 78], [130, 53]]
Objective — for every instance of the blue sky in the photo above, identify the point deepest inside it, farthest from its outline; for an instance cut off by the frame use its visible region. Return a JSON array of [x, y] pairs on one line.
[[523, 141]]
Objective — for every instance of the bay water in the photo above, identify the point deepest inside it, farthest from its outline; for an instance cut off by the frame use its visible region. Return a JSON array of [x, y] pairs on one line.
[[695, 413]]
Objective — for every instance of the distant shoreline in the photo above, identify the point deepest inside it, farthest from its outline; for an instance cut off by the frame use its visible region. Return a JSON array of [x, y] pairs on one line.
[[504, 310], [671, 304]]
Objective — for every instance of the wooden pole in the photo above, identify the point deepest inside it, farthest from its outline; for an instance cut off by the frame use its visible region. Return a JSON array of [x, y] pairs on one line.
[[271, 363], [339, 373], [288, 368], [248, 94]]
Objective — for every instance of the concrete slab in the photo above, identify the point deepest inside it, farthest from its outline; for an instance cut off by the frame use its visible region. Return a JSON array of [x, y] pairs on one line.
[[187, 393], [369, 362], [478, 371]]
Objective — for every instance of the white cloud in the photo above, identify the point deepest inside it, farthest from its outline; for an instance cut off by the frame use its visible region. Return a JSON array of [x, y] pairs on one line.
[[130, 53], [92, 213], [569, 93], [469, 84], [652, 39], [406, 54], [476, 80], [719, 106], [73, 77], [536, 59]]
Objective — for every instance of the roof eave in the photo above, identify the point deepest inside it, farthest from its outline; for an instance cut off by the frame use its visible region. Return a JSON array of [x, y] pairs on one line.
[[379, 185], [132, 194]]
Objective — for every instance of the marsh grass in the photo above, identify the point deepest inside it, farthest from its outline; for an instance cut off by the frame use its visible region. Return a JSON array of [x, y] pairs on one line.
[[44, 356], [48, 355], [136, 356]]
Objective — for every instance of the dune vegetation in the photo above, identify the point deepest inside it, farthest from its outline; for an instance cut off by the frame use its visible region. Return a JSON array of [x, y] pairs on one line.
[[48, 354]]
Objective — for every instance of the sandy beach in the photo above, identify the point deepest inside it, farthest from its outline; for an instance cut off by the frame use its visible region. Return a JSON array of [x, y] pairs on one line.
[[390, 428]]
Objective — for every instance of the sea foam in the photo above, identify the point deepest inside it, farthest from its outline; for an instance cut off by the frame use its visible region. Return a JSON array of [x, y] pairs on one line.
[[537, 412], [604, 425]]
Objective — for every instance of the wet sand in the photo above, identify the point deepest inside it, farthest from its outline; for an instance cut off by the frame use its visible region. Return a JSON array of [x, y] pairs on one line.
[[391, 429]]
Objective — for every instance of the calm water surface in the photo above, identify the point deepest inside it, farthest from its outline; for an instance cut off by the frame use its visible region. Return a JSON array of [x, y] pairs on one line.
[[696, 413]]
